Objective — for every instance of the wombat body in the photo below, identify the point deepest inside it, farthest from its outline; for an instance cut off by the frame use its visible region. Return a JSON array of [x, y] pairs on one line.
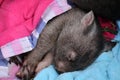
[[74, 40]]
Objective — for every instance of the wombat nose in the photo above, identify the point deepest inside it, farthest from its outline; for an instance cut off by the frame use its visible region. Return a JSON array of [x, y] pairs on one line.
[[60, 67], [59, 70]]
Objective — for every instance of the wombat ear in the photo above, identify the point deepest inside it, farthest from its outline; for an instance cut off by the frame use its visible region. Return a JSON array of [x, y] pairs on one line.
[[88, 19], [71, 55]]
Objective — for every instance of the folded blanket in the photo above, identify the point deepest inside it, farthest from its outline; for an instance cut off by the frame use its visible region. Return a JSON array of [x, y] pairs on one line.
[[33, 23], [19, 18], [106, 67], [22, 21]]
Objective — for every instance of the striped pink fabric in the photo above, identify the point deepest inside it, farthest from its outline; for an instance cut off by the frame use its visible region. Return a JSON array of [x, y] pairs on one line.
[[18, 18], [15, 34]]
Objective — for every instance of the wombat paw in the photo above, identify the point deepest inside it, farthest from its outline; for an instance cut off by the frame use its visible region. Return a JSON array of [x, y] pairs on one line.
[[16, 60], [27, 70]]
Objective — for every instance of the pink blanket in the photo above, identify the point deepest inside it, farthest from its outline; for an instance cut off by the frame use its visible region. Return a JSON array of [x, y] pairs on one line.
[[21, 22], [18, 18]]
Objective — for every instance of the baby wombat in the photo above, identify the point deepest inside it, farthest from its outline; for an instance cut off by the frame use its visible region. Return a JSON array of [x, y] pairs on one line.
[[104, 8], [74, 39], [80, 42]]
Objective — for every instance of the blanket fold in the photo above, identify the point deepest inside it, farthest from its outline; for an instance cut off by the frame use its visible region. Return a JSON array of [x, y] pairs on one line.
[[21, 22], [19, 18]]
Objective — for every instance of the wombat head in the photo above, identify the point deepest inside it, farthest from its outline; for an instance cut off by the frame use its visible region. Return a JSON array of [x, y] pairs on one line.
[[78, 44]]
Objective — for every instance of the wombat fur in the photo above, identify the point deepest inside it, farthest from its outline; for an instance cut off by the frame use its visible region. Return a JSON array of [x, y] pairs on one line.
[[74, 40]]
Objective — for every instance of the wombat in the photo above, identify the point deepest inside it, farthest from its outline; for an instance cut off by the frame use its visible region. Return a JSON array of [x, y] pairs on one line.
[[73, 40], [108, 8]]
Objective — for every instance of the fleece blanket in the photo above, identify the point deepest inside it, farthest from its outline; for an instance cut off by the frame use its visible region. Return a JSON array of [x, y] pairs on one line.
[[21, 22], [19, 18], [106, 67]]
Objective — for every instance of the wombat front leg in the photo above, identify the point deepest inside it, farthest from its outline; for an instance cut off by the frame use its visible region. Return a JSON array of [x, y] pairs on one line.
[[45, 43], [48, 59]]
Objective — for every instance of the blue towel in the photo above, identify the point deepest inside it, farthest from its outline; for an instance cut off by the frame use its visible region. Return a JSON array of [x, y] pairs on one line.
[[105, 67]]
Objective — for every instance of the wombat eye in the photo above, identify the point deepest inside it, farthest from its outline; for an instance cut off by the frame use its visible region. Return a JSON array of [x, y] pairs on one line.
[[70, 59], [71, 56]]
